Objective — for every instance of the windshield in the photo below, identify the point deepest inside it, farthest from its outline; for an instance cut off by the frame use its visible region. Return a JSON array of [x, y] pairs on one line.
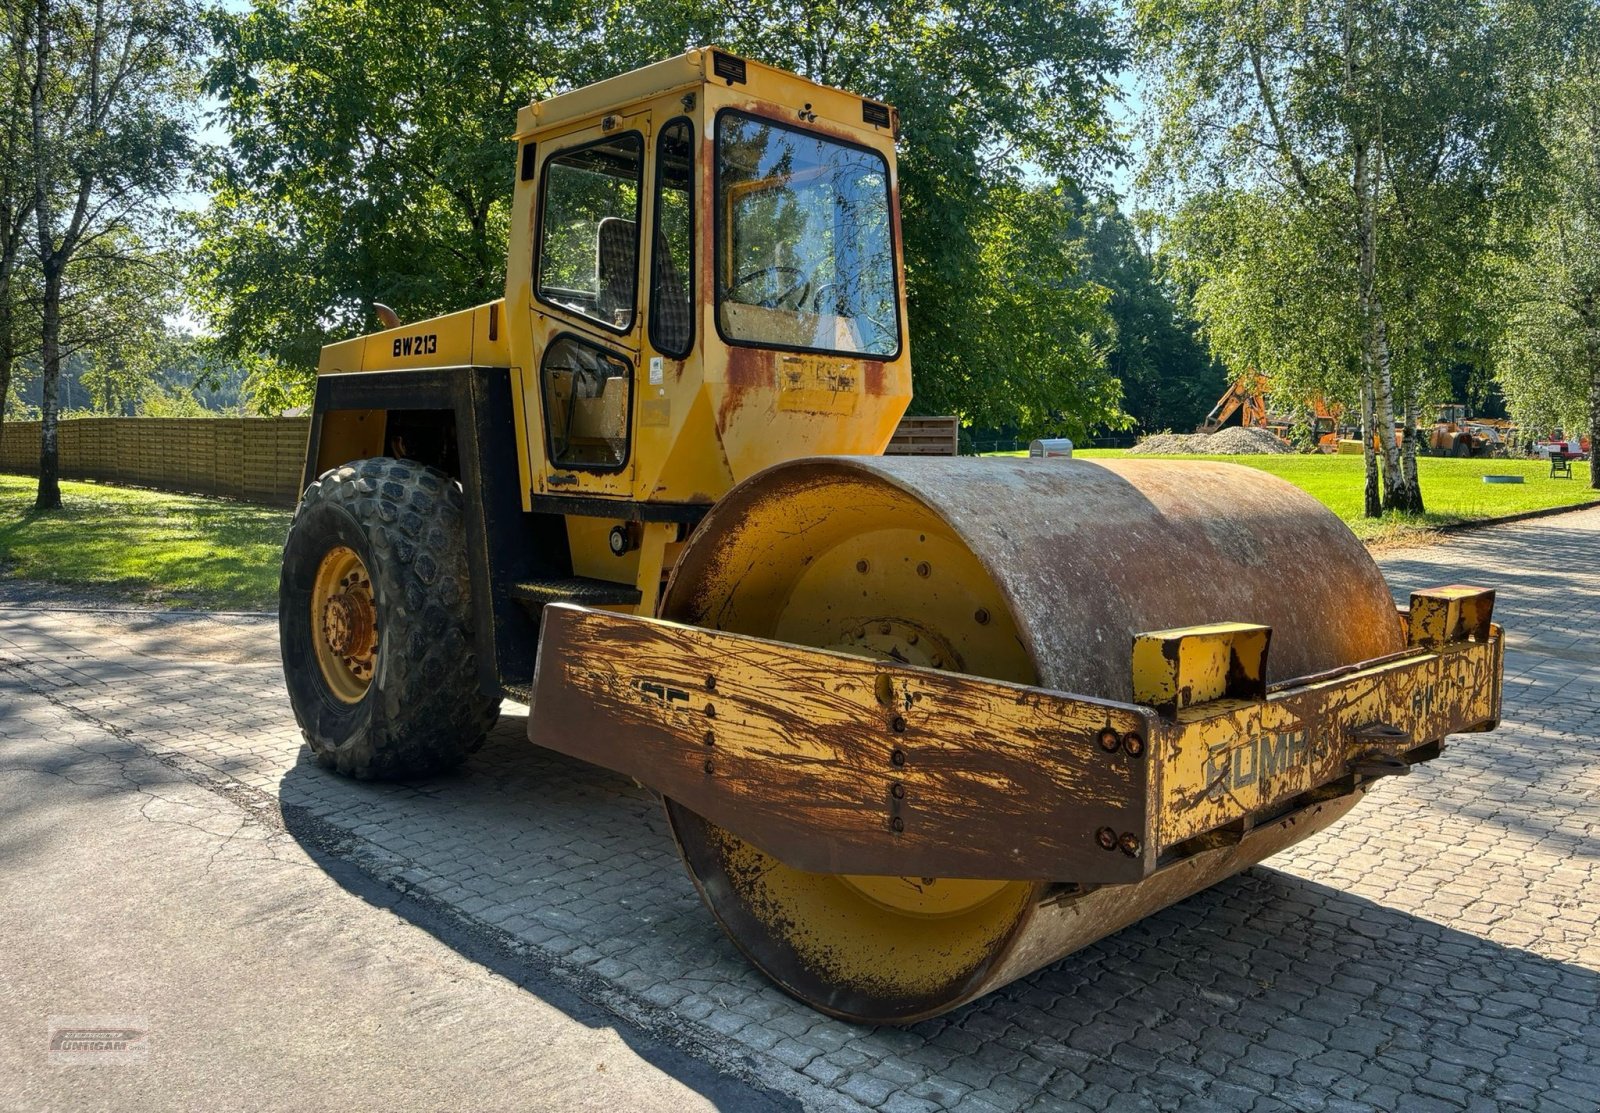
[[805, 257]]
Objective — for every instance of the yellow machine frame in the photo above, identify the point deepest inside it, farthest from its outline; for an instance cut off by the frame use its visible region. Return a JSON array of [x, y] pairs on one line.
[[920, 727]]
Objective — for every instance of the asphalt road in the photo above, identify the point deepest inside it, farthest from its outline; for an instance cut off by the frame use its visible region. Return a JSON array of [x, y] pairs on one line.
[[520, 935]]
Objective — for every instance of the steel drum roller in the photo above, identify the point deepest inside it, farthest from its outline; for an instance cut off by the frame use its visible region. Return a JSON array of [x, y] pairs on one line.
[[1033, 571]]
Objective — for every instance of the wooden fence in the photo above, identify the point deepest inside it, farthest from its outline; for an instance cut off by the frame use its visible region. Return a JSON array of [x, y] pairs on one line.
[[926, 436], [258, 459]]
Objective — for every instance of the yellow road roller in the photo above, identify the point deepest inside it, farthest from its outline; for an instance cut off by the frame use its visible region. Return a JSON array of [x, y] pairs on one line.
[[920, 725]]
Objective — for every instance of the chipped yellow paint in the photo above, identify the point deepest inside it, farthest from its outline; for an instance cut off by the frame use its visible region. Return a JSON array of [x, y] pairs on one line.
[[857, 939], [795, 749], [1174, 669], [1447, 614], [1228, 760], [840, 764], [818, 384]]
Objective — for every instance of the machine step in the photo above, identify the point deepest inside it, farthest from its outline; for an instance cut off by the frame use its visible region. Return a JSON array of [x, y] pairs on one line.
[[583, 590]]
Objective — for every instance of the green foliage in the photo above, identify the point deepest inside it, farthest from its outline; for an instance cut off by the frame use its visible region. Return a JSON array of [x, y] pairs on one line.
[[1031, 355], [1169, 377], [1274, 287], [1549, 353], [1335, 171], [358, 171], [110, 86], [365, 163]]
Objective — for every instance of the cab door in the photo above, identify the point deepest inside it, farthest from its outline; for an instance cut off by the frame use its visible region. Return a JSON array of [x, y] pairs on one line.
[[588, 309]]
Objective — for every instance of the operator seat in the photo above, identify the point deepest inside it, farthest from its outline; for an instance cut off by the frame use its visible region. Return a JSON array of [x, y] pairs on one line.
[[617, 267]]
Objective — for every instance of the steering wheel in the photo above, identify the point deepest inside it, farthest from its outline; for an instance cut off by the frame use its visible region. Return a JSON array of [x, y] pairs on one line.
[[798, 287], [824, 290]]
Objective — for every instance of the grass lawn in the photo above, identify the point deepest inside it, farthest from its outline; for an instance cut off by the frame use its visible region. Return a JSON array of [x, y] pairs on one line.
[[175, 550], [1453, 490], [183, 551]]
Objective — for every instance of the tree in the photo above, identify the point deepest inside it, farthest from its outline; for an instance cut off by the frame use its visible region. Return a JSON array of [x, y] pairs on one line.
[[356, 172], [16, 188], [1388, 131], [107, 82], [1549, 357], [359, 173], [1169, 377]]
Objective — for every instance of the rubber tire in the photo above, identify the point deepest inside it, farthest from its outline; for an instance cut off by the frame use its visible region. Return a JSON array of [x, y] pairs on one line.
[[424, 711]]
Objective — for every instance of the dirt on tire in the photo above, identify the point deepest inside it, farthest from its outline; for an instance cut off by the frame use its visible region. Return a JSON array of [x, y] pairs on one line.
[[424, 710]]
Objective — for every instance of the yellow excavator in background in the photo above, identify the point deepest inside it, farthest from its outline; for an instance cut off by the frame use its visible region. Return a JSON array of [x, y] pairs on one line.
[[1248, 397]]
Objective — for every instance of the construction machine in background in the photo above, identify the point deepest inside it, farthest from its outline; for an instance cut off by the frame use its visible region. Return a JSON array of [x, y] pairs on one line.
[[919, 726], [1249, 398], [1455, 434]]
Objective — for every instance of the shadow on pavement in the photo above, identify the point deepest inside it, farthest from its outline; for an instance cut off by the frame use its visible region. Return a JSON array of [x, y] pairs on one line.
[[1264, 984]]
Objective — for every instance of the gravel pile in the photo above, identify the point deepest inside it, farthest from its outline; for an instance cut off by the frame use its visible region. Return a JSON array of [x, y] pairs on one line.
[[1237, 441]]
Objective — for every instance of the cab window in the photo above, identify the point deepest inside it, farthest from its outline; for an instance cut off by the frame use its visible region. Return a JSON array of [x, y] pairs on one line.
[[805, 248], [589, 230], [672, 249], [586, 395]]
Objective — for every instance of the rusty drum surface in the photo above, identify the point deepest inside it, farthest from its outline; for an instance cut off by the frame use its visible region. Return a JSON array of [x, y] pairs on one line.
[[1035, 571]]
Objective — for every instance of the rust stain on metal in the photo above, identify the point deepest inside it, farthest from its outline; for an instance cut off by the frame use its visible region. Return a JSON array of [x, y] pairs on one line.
[[998, 780]]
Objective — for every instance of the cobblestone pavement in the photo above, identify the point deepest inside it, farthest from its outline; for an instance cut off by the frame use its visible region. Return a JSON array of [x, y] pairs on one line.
[[1437, 950]]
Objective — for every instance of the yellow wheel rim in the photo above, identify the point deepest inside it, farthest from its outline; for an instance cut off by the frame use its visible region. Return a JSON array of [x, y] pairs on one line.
[[344, 623]]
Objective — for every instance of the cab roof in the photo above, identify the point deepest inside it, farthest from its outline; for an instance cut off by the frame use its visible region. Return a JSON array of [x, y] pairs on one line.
[[701, 66]]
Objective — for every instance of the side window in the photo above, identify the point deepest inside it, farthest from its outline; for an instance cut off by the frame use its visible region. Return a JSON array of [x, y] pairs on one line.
[[589, 230], [672, 249], [586, 396]]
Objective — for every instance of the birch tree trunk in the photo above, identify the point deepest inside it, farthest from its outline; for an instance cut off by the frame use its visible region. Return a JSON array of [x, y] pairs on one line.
[[1408, 452], [1593, 347], [1374, 334], [1372, 505]]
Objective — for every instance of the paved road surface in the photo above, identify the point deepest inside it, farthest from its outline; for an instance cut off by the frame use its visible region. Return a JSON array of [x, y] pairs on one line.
[[521, 935]]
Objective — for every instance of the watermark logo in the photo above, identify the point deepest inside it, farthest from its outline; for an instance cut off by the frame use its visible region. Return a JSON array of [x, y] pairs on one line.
[[99, 1039]]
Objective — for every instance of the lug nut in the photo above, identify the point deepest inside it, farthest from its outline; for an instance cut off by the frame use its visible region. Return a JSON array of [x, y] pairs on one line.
[[861, 566], [982, 617], [924, 569], [1107, 838]]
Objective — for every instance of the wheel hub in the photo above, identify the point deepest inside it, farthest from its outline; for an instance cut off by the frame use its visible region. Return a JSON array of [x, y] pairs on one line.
[[346, 623]]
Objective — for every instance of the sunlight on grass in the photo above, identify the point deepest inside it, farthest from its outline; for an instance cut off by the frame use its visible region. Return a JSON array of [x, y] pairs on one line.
[[175, 550], [184, 551], [1453, 490]]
